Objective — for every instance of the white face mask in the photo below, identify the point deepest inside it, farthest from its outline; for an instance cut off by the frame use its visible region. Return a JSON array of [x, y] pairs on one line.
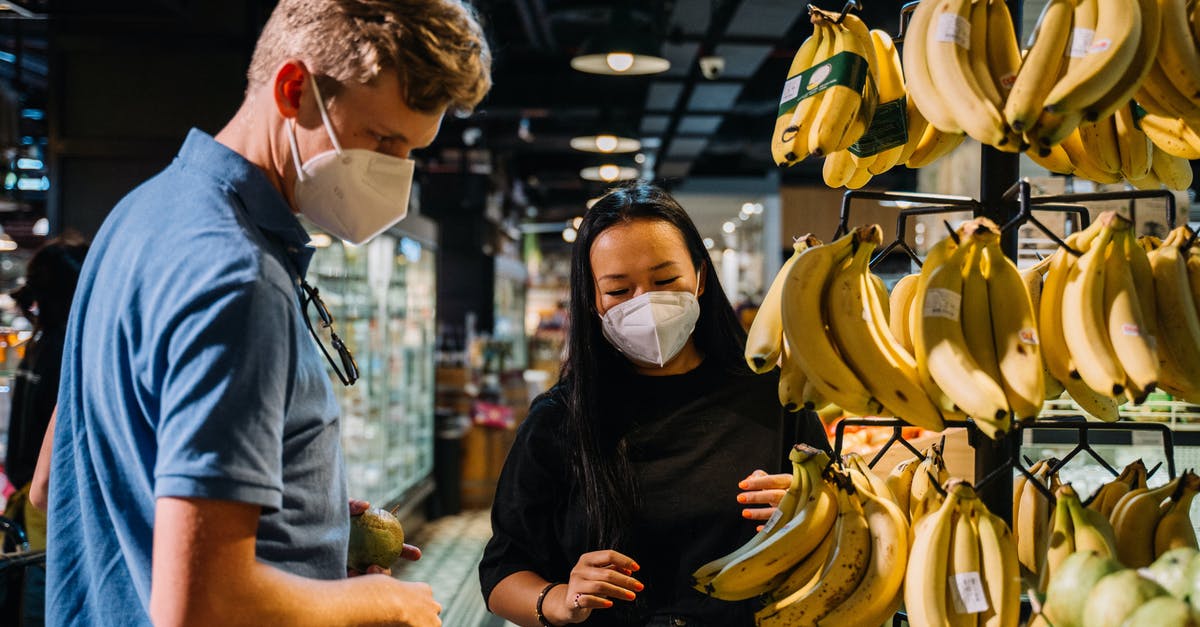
[[652, 328], [354, 194]]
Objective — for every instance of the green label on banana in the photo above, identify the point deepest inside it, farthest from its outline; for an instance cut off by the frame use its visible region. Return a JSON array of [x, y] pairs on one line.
[[845, 68], [888, 129]]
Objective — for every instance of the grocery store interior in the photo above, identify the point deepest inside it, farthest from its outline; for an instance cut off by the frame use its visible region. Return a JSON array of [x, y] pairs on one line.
[[457, 315]]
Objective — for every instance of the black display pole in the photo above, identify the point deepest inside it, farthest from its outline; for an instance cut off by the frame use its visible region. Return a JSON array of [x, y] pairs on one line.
[[998, 171]]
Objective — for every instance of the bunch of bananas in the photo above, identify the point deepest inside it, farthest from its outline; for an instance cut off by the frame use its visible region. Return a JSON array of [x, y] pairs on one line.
[[963, 568], [1098, 317], [1170, 92], [805, 515], [960, 59], [830, 95], [913, 480], [836, 329], [1176, 273], [1031, 517], [835, 553], [1133, 476], [1121, 147], [1165, 510], [854, 577], [975, 358], [1074, 528], [885, 127]]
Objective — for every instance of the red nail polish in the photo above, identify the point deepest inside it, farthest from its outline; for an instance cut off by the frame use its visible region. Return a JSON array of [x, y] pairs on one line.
[[745, 513], [636, 567], [639, 587], [744, 485], [741, 498], [608, 604], [631, 596]]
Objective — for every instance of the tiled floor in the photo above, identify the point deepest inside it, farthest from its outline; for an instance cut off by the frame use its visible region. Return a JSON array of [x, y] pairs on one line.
[[451, 547]]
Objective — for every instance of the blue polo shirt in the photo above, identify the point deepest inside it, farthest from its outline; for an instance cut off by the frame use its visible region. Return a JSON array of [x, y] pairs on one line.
[[189, 372]]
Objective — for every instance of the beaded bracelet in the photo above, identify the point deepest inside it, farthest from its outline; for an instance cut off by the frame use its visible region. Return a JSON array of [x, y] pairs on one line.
[[542, 597]]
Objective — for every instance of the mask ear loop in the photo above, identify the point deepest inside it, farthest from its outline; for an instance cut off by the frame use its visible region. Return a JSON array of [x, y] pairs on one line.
[[291, 122]]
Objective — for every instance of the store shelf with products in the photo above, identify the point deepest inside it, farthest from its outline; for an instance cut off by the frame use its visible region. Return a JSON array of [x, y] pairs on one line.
[[382, 298]]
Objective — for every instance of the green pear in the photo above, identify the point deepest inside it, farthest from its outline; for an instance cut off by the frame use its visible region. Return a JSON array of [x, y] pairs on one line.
[[1116, 596], [1069, 587], [1170, 571], [1163, 611], [376, 538]]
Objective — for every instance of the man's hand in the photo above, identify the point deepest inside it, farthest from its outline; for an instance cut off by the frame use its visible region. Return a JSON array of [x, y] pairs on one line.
[[205, 572], [762, 489], [410, 552]]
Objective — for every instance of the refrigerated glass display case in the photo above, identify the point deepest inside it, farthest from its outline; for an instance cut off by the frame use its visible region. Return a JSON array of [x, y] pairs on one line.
[[382, 297]]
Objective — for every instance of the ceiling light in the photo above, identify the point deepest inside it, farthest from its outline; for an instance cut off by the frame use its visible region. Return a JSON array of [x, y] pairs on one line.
[[608, 173], [709, 243], [576, 222], [592, 202], [605, 143], [41, 227], [625, 48], [569, 234], [319, 240], [729, 227], [639, 158]]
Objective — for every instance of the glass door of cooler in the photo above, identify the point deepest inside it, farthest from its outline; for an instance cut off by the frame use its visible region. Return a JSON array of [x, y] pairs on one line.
[[382, 297]]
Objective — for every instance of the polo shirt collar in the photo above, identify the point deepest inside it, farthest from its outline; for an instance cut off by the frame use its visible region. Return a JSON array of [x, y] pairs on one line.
[[263, 204]]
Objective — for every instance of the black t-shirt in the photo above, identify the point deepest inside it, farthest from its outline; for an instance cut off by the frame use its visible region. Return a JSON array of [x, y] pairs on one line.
[[35, 393], [691, 438]]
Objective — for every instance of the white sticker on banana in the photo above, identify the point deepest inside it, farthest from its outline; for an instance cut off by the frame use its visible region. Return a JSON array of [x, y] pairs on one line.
[[1081, 42], [969, 597], [954, 27], [943, 303]]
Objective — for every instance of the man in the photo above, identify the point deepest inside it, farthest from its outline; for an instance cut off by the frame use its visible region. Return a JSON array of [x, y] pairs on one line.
[[197, 475]]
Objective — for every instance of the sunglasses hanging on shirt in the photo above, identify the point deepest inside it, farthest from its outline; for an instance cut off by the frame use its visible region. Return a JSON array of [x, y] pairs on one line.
[[348, 372]]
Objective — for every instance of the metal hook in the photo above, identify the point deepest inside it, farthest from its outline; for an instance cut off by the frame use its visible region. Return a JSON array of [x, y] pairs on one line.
[[906, 12], [1191, 240], [950, 229], [850, 4], [1150, 473]]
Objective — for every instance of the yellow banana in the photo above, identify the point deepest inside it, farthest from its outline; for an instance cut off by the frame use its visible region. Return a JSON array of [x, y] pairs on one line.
[[947, 57], [1177, 53], [844, 568], [1087, 165], [861, 333], [899, 482], [1131, 79], [804, 327], [1054, 159], [890, 81], [792, 382], [1175, 529], [1084, 327], [1003, 49], [1040, 68], [1171, 136], [839, 104], [1174, 172], [1118, 30], [1100, 140], [1000, 570], [838, 168], [766, 564], [964, 549], [940, 336], [783, 142], [925, 578], [1136, 514], [933, 145], [1131, 338], [1059, 543], [878, 593], [900, 303], [765, 338], [1091, 530], [921, 88], [917, 125], [1178, 321], [1133, 145], [1014, 329]]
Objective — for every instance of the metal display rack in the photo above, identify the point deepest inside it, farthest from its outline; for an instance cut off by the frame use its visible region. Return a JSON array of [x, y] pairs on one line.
[[1011, 207]]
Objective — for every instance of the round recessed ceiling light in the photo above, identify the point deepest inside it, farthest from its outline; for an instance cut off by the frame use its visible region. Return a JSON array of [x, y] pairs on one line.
[[605, 143], [608, 173]]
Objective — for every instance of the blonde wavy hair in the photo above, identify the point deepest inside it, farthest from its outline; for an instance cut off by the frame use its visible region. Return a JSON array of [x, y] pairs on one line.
[[436, 47]]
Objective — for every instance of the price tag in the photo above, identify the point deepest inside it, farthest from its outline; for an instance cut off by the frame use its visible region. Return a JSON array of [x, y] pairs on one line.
[[942, 303], [1081, 42], [967, 590], [791, 88], [952, 27], [1130, 329]]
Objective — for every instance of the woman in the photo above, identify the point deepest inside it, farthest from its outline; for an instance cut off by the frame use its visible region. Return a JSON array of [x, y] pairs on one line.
[[625, 477]]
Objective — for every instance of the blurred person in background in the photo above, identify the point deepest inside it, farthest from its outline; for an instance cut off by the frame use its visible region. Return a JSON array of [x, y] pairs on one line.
[[197, 475], [45, 300], [655, 451]]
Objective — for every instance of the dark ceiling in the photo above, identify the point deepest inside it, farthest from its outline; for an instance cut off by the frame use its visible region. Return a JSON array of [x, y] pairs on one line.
[[691, 126]]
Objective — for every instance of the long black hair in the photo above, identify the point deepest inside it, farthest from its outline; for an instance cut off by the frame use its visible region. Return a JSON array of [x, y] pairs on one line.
[[598, 458], [50, 279]]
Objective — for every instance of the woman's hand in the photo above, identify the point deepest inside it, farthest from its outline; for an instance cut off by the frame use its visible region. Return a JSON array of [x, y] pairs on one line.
[[596, 580], [409, 552], [762, 489]]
